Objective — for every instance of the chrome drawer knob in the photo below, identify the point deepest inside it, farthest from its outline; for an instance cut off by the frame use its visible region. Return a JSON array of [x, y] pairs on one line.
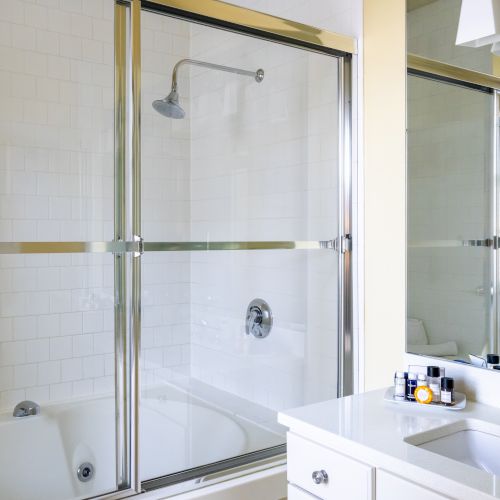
[[320, 476]]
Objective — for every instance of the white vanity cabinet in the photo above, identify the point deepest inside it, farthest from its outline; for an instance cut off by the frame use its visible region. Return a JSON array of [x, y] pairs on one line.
[[325, 473], [318, 472], [361, 448], [391, 487], [295, 493]]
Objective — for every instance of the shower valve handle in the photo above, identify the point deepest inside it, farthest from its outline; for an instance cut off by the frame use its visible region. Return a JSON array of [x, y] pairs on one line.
[[255, 316], [259, 319]]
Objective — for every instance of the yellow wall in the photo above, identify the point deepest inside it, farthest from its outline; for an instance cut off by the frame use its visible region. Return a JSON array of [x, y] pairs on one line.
[[384, 152]]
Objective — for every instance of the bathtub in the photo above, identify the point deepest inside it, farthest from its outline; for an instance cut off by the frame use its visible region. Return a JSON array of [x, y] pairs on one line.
[[40, 455]]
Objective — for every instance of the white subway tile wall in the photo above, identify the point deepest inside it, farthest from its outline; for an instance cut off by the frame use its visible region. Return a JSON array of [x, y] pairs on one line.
[[249, 161], [56, 168], [166, 277], [56, 334], [264, 167], [56, 128], [56, 184]]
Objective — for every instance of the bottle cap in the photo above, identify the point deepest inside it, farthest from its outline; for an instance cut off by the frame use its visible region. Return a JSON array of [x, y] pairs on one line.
[[496, 367], [412, 376], [447, 383], [433, 371], [493, 359]]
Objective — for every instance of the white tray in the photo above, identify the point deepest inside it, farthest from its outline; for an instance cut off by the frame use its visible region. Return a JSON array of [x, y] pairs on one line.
[[460, 401]]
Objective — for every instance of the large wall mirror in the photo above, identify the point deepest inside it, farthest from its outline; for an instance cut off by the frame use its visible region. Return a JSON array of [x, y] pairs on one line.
[[453, 204]]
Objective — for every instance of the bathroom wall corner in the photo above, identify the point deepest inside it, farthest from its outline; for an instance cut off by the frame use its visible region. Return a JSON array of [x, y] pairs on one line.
[[384, 181]]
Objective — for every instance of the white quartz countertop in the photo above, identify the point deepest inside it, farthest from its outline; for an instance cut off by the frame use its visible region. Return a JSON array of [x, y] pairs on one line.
[[372, 430]]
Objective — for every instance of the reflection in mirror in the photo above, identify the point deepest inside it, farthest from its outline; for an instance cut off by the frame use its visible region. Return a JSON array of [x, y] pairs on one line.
[[440, 30], [450, 189], [452, 271]]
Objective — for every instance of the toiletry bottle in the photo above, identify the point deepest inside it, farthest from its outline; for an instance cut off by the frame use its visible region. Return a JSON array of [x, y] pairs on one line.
[[447, 391], [423, 395], [412, 385], [492, 360], [399, 386], [434, 382], [421, 380]]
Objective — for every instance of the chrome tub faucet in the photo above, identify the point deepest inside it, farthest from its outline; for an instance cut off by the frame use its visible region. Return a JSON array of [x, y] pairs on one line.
[[26, 408]]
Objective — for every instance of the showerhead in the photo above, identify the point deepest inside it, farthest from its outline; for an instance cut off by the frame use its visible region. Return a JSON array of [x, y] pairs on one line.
[[169, 106]]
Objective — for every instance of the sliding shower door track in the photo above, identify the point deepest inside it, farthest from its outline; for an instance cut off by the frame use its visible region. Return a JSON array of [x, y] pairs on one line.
[[139, 246], [223, 470]]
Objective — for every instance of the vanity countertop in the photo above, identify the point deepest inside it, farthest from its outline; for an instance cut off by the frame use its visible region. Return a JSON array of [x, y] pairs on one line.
[[370, 429]]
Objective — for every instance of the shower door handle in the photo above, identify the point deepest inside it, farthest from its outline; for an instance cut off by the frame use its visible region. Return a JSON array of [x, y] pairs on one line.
[[487, 242], [342, 244], [482, 291]]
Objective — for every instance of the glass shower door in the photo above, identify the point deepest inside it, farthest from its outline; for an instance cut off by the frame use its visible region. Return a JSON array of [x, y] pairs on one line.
[[240, 209]]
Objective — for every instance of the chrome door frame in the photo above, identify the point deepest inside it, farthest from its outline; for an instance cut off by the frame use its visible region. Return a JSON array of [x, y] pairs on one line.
[[495, 203], [345, 369], [123, 429]]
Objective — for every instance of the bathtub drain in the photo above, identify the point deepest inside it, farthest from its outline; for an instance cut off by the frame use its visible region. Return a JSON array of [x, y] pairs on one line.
[[85, 472]]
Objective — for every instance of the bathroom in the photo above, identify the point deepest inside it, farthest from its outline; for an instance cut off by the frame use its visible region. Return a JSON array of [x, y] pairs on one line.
[[224, 226]]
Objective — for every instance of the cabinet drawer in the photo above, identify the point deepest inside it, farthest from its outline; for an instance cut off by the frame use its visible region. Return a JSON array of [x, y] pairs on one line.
[[391, 487], [346, 478], [295, 493]]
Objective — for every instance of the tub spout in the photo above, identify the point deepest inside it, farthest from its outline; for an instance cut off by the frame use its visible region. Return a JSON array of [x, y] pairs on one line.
[[26, 408]]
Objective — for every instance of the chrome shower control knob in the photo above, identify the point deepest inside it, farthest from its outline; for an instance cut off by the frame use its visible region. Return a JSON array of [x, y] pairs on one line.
[[259, 319], [320, 476]]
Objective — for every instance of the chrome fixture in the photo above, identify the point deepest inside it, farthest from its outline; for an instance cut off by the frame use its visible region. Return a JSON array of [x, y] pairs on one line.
[[26, 408], [481, 291], [259, 320], [85, 472], [169, 105], [320, 476]]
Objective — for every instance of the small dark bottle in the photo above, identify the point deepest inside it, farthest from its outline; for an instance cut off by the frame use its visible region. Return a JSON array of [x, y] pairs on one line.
[[412, 385], [434, 382], [447, 391], [492, 360]]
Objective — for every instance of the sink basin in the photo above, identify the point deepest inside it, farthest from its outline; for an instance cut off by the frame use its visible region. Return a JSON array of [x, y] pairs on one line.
[[471, 442]]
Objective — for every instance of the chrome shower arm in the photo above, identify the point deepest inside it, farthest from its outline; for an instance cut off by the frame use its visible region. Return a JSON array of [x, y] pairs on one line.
[[169, 106], [257, 75]]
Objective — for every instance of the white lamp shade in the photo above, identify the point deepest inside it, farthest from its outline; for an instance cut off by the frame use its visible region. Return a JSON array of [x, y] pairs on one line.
[[479, 23]]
